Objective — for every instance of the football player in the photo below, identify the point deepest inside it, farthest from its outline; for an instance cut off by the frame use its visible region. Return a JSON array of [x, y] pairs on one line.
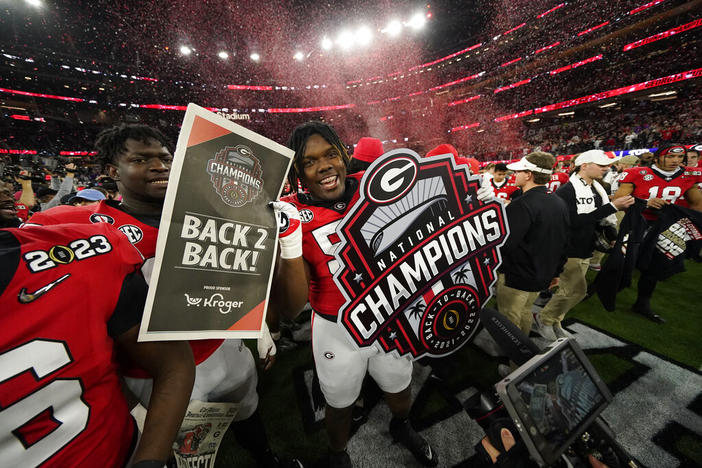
[[663, 183], [558, 178], [68, 295], [307, 268], [306, 272], [137, 158]]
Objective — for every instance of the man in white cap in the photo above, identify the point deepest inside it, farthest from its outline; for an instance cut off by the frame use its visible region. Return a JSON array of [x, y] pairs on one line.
[[588, 206], [535, 251]]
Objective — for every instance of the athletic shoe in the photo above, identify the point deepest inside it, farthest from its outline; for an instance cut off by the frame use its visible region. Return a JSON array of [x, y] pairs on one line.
[[560, 332], [644, 308], [595, 267], [544, 297], [337, 460], [401, 431], [547, 332]]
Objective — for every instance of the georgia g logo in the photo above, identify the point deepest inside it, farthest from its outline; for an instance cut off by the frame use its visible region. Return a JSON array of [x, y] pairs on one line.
[[392, 180], [283, 222]]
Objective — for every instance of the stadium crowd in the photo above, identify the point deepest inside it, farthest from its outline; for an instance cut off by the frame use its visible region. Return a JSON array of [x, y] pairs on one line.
[[129, 185], [571, 205]]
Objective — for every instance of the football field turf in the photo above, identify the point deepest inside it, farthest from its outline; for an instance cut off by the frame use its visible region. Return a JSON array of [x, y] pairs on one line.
[[654, 372]]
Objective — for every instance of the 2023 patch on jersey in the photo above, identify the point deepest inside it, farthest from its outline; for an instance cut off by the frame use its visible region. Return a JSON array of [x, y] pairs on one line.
[[60, 398]]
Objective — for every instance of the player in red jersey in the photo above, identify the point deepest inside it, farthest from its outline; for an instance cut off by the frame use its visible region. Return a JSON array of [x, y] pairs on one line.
[[306, 272], [504, 190], [68, 294], [663, 183], [557, 179], [138, 159]]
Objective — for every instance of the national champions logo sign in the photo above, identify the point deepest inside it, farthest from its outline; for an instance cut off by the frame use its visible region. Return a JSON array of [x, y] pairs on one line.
[[236, 175], [420, 253]]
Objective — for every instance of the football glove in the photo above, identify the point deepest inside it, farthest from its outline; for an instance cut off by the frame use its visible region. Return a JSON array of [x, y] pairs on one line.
[[266, 346], [289, 228]]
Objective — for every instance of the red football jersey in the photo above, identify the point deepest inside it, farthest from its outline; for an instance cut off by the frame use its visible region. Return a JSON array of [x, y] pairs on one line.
[[141, 235], [505, 190], [557, 179], [319, 243], [61, 403], [649, 182]]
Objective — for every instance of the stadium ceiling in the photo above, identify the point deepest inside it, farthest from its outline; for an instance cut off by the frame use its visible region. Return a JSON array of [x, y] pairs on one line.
[[226, 33]]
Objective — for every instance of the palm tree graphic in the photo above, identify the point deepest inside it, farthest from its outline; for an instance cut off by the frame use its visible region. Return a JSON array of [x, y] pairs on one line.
[[416, 310], [462, 274]]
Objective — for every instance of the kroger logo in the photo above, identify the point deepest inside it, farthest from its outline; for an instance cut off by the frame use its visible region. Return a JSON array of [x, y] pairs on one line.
[[216, 300]]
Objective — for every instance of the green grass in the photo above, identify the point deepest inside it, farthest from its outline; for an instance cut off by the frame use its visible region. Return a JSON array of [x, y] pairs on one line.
[[678, 300], [610, 367]]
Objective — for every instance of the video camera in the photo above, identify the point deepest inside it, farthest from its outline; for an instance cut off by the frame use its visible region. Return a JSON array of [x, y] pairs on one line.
[[552, 402]]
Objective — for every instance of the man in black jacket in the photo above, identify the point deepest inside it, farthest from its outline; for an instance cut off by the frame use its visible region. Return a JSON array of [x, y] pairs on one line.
[[535, 251], [588, 205]]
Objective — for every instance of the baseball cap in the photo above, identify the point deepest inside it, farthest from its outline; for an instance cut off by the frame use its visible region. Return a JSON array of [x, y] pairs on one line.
[[598, 157], [443, 148], [87, 194], [368, 149], [525, 165], [630, 159]]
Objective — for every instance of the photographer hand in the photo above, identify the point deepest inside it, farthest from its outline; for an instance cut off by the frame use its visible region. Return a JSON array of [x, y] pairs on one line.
[[595, 463], [71, 169], [507, 442]]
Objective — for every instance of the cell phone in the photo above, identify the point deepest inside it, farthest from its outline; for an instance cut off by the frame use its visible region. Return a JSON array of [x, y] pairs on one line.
[[553, 398]]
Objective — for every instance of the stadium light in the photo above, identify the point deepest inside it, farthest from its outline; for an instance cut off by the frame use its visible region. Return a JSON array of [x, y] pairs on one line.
[[327, 43], [665, 93], [34, 3], [364, 36], [345, 40], [185, 50], [255, 57], [393, 29], [223, 55], [299, 56], [417, 21]]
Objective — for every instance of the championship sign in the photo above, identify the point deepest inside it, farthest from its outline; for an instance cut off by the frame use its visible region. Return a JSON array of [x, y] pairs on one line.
[[218, 238], [419, 253]]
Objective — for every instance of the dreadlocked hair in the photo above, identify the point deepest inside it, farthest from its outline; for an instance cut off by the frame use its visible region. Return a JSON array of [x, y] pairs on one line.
[[111, 141], [298, 141]]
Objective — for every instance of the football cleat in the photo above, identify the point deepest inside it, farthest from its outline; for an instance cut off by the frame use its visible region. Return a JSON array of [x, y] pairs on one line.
[[402, 431]]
